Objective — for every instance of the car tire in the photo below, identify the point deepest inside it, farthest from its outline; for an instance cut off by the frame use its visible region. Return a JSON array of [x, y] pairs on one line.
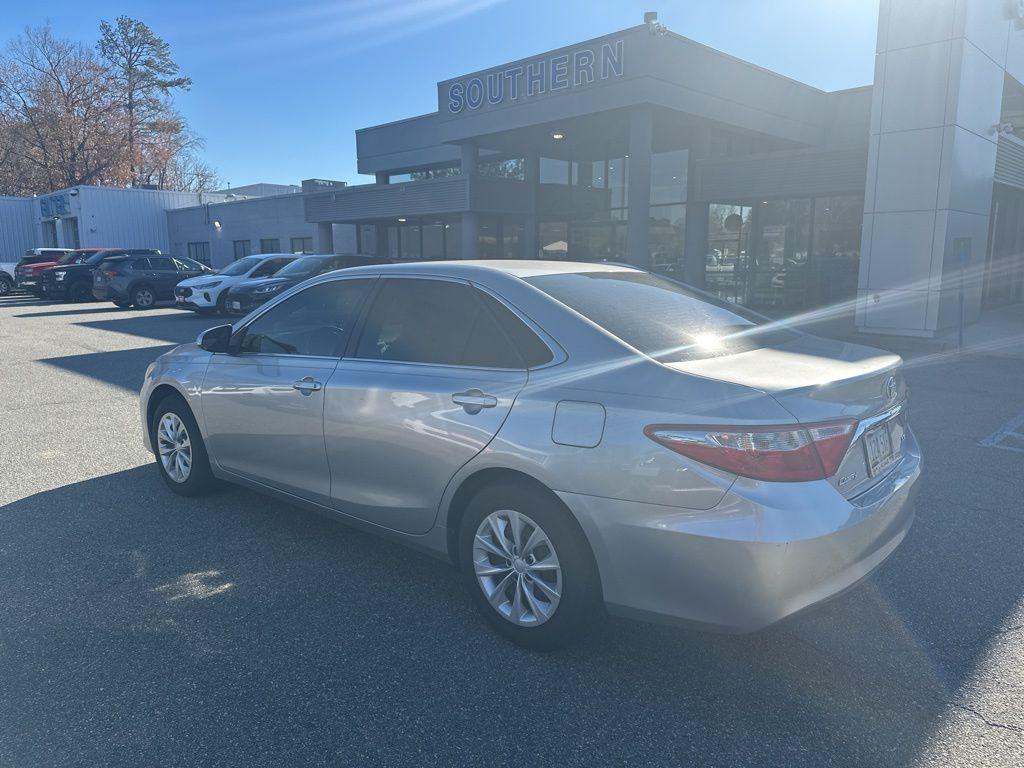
[[553, 585], [222, 300], [79, 291], [179, 449], [143, 296], [6, 286]]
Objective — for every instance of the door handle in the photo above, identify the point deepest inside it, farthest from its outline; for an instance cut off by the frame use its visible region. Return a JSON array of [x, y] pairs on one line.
[[474, 401], [307, 386]]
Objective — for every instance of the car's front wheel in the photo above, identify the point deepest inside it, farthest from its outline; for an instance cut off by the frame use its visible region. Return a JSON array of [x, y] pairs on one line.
[[528, 566], [180, 451], [5, 286]]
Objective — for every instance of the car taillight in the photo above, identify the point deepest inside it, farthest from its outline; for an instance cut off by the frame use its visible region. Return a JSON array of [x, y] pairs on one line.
[[111, 273], [785, 453]]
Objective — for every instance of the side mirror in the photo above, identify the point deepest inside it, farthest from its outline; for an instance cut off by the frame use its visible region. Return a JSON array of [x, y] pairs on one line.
[[216, 339]]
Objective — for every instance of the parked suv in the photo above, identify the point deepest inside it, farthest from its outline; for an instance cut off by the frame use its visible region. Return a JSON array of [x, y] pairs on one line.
[[53, 280], [246, 295], [142, 278], [28, 272], [76, 274], [207, 293]]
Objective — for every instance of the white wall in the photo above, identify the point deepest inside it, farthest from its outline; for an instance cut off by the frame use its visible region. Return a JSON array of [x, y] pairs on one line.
[[938, 95], [16, 230]]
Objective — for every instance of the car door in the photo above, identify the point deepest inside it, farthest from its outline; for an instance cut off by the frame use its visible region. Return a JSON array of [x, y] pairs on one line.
[[263, 404], [163, 274], [423, 390]]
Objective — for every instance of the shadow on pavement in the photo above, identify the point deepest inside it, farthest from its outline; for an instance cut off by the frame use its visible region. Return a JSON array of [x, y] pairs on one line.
[[140, 627], [124, 368], [178, 326]]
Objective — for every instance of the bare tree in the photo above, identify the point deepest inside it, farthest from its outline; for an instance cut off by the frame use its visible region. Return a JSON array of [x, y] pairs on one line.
[[57, 114]]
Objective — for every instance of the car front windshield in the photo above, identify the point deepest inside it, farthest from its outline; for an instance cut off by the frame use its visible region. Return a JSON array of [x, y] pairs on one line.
[[300, 268], [661, 318], [241, 266]]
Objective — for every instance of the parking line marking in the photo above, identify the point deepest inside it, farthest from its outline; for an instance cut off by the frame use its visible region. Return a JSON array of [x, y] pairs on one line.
[[1012, 431]]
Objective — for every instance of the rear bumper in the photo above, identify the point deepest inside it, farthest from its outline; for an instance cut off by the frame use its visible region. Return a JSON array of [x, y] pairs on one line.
[[755, 559]]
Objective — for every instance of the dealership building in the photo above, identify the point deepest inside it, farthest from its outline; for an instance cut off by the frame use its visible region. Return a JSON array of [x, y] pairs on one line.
[[646, 147], [898, 204]]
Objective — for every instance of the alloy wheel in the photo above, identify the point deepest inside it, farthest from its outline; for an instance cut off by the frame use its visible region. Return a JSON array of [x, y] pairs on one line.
[[175, 447], [517, 568], [144, 297]]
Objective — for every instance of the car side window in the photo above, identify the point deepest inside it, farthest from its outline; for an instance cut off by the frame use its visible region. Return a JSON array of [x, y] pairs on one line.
[[141, 264], [316, 321], [438, 322], [162, 264]]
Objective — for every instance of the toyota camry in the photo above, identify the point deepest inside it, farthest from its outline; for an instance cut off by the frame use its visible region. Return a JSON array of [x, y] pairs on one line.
[[575, 438]]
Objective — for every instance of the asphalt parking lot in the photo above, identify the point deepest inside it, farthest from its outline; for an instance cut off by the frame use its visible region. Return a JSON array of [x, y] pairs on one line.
[[140, 628]]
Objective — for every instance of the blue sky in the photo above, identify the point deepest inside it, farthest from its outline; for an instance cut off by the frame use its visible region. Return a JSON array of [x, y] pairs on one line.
[[280, 86]]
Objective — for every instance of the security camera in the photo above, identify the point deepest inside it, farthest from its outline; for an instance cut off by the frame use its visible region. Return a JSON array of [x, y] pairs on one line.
[[73, 193]]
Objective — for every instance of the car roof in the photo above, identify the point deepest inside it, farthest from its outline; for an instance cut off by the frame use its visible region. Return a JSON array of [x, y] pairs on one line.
[[277, 255], [476, 268]]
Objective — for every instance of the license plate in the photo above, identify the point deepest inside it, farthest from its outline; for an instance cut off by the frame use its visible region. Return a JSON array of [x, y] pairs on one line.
[[878, 444], [236, 305], [179, 298], [99, 279]]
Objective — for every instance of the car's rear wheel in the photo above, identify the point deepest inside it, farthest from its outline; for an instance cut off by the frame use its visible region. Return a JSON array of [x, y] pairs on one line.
[[143, 296], [528, 566], [5, 287], [79, 291], [180, 451]]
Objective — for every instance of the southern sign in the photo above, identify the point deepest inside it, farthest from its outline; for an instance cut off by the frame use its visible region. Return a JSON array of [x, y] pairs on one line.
[[514, 83]]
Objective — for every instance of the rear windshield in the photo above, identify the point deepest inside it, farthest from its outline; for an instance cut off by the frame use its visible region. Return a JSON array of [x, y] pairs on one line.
[[661, 318]]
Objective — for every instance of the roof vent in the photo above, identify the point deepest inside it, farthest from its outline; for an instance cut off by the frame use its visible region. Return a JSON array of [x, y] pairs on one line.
[[650, 16]]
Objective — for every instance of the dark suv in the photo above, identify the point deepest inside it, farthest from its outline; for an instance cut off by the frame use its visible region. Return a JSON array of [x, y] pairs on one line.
[[142, 278], [73, 278]]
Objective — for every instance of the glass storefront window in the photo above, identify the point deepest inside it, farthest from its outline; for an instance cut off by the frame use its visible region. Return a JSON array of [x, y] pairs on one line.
[[837, 232], [367, 239], [488, 247], [553, 239], [512, 230], [554, 171], [668, 176], [509, 168], [725, 263], [666, 236], [617, 175], [453, 239], [778, 274], [433, 240]]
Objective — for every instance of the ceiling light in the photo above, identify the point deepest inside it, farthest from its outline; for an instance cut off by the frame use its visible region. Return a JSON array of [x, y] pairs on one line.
[[216, 224], [557, 136], [401, 220]]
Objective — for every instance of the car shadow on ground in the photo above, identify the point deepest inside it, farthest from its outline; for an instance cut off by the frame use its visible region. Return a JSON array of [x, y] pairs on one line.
[[137, 624], [178, 326]]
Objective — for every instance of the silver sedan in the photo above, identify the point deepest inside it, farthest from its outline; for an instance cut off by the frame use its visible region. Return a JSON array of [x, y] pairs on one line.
[[575, 437]]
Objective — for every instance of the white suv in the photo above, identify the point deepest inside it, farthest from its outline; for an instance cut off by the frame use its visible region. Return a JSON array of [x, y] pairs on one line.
[[206, 293]]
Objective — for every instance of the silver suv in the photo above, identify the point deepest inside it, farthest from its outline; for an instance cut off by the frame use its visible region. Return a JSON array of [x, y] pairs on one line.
[[572, 436]]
